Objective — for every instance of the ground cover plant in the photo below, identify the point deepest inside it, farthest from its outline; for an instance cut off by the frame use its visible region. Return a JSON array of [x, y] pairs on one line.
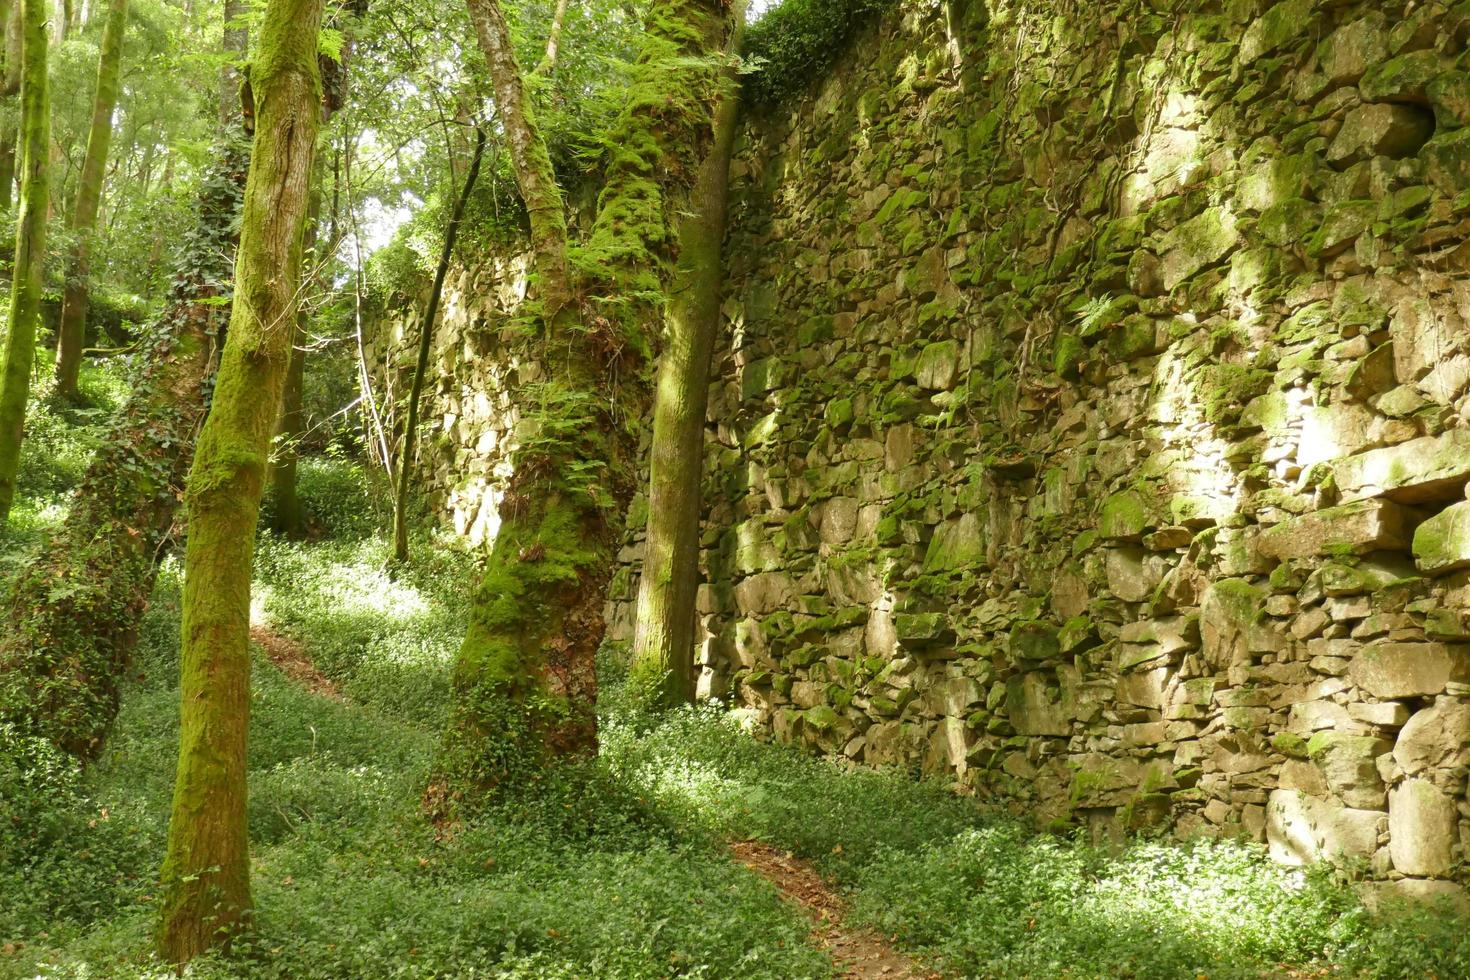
[[613, 868]]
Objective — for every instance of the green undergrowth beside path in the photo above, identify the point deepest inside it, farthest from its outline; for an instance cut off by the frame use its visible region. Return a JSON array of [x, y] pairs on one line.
[[615, 868]]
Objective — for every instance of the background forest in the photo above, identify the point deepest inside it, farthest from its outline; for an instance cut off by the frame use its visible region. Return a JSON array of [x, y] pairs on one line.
[[227, 225]]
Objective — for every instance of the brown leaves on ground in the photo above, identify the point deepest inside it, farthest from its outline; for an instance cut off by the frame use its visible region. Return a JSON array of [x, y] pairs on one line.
[[859, 954], [293, 661]]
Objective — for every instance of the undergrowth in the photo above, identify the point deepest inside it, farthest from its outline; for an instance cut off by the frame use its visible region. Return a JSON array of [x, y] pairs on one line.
[[613, 868]]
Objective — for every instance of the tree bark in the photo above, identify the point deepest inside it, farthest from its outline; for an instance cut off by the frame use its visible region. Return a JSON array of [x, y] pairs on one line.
[[290, 517], [206, 872], [74, 609], [30, 249], [524, 680], [662, 674], [9, 107], [553, 40], [236, 45], [529, 158], [421, 368], [73, 331]]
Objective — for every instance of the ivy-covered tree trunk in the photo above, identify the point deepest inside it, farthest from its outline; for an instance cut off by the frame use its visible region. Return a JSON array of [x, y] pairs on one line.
[[74, 609], [71, 337], [662, 673], [30, 248], [9, 104], [524, 681], [206, 871]]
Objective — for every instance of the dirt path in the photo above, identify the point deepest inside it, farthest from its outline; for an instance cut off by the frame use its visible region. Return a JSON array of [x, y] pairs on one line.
[[288, 655], [859, 953]]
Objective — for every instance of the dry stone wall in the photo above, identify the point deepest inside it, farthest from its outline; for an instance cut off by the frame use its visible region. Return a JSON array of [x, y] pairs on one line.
[[1093, 422]]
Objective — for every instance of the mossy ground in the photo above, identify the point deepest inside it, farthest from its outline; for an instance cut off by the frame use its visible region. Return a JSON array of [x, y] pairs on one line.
[[614, 868]]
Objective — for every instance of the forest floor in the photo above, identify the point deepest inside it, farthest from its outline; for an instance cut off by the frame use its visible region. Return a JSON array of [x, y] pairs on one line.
[[622, 867]]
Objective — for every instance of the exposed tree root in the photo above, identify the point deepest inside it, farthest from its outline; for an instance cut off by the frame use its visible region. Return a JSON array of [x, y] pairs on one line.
[[859, 954]]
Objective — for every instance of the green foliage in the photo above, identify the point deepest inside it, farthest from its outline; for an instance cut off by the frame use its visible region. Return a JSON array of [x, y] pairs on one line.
[[341, 498], [578, 877], [611, 867], [798, 40]]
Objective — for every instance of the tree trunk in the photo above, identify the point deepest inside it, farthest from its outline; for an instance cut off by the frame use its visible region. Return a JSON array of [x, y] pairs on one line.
[[73, 332], [206, 872], [74, 609], [421, 368], [662, 674], [9, 107], [30, 249], [553, 40], [236, 45], [290, 517], [524, 681], [529, 158]]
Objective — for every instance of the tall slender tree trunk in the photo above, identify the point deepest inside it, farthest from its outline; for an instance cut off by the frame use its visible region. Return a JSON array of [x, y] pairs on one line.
[[74, 609], [206, 872], [236, 44], [421, 367], [662, 674], [524, 681], [553, 40], [290, 516], [30, 250], [73, 333], [9, 104]]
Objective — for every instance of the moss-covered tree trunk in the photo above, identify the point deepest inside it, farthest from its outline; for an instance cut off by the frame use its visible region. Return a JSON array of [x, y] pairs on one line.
[[421, 367], [662, 672], [30, 248], [9, 105], [74, 609], [524, 681], [206, 871], [73, 332]]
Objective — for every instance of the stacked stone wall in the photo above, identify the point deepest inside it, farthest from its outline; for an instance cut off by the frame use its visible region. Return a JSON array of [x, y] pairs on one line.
[[1092, 423]]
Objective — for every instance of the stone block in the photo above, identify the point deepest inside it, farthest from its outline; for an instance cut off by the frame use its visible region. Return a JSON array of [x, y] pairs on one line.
[[1232, 623], [1274, 29], [1350, 50], [1389, 670], [1347, 764], [1133, 573], [1032, 707], [1426, 469], [938, 366], [1302, 828], [1145, 689], [1385, 714], [1333, 431], [1356, 528], [1436, 737], [1196, 244], [1442, 543], [1423, 827], [1380, 129], [955, 544]]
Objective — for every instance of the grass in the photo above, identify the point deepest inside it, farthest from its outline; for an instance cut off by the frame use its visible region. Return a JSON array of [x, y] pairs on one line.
[[614, 868]]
